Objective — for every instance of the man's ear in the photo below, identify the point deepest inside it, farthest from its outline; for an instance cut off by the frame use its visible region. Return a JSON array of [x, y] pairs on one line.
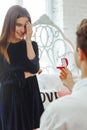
[[81, 54]]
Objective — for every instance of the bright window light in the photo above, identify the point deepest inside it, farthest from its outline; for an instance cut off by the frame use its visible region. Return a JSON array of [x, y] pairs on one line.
[[35, 7]]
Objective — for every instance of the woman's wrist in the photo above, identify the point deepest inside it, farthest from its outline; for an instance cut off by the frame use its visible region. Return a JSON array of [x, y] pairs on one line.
[[28, 42]]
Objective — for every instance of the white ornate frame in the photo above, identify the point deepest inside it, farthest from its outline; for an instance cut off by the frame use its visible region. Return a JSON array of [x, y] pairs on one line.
[[53, 45]]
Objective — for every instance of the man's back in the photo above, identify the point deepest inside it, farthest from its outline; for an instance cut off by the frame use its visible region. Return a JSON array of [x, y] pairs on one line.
[[68, 112]]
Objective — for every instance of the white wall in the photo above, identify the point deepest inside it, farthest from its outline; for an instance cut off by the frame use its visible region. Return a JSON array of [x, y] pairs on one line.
[[67, 14], [74, 12], [54, 9]]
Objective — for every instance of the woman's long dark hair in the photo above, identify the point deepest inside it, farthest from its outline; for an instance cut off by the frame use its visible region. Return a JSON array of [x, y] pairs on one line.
[[9, 24]]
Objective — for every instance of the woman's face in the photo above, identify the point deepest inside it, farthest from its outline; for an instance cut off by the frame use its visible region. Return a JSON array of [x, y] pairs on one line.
[[20, 28]]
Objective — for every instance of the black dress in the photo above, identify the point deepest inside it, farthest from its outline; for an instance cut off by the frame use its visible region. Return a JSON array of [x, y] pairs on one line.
[[20, 101]]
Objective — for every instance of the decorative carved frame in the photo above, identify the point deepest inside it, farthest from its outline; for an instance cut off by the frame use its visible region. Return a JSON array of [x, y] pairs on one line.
[[53, 45]]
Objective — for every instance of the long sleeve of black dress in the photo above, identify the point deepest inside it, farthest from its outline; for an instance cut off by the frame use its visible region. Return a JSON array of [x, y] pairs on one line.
[[3, 68], [18, 57]]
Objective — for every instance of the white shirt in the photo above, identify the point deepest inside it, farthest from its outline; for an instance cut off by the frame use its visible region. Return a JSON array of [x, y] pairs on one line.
[[68, 112]]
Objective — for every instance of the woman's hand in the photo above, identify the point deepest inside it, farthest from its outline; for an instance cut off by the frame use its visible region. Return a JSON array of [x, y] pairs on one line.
[[28, 74], [66, 77], [30, 50], [28, 31], [40, 71]]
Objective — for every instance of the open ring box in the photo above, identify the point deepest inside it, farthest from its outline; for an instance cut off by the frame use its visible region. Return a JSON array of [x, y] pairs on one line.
[[64, 62]]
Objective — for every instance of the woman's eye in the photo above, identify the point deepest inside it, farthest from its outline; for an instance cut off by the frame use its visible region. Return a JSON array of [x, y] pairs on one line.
[[18, 24]]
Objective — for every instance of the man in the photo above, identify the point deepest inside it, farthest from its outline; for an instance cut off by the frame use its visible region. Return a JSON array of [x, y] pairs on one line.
[[70, 112]]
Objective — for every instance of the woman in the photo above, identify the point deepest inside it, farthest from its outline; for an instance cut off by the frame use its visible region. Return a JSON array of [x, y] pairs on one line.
[[20, 101]]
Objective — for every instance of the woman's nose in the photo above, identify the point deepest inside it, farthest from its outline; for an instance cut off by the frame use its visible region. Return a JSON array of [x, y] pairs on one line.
[[23, 29]]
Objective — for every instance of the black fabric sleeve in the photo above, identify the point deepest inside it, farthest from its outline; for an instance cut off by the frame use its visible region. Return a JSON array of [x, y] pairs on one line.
[[3, 67], [18, 57], [33, 65]]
